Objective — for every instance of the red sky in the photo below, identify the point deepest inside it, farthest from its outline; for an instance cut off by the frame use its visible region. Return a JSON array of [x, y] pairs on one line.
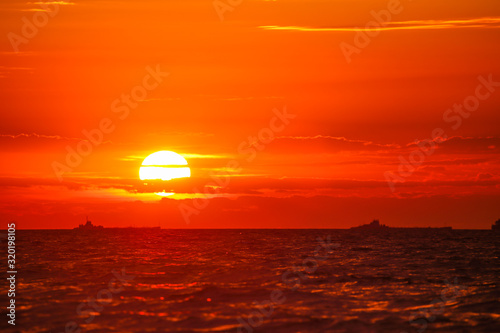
[[351, 119]]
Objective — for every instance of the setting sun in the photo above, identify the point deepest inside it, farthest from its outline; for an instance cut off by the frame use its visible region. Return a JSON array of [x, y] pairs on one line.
[[164, 165]]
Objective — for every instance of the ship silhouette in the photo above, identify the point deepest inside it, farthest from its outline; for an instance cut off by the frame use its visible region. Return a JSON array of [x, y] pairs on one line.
[[89, 226], [375, 225], [496, 226]]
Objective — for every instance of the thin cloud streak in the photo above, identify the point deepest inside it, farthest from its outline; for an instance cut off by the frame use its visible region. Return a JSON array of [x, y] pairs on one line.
[[35, 135], [338, 138], [486, 22]]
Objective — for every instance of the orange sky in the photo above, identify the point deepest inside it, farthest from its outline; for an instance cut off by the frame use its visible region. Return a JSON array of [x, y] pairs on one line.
[[351, 116]]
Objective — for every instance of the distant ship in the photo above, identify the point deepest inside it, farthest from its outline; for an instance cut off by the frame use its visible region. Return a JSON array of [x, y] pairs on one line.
[[496, 226], [90, 226], [375, 225]]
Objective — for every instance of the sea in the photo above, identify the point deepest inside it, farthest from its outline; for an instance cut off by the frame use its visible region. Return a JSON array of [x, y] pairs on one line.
[[147, 280]]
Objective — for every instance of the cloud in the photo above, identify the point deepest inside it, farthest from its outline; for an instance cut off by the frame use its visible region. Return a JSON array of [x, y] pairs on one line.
[[339, 139], [484, 176], [188, 156], [38, 142], [62, 3], [37, 136], [5, 71], [17, 54], [466, 145], [5, 68], [484, 22], [249, 98], [254, 186], [8, 182], [41, 6]]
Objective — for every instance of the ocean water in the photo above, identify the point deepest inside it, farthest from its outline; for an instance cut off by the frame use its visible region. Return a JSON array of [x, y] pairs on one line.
[[256, 281]]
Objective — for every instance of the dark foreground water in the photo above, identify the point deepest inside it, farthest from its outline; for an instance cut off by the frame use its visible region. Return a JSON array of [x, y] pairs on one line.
[[258, 280]]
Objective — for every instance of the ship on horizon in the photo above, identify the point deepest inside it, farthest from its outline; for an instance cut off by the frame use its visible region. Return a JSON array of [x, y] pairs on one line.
[[496, 226], [375, 225], [89, 226]]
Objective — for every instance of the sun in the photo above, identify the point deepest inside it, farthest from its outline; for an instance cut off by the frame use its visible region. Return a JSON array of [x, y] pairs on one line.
[[164, 165]]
